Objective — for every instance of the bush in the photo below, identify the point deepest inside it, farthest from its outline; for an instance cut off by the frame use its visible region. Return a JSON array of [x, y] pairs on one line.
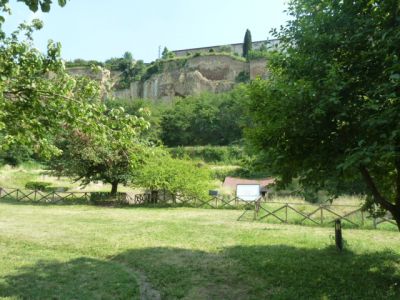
[[37, 185], [176, 176], [243, 77], [211, 154]]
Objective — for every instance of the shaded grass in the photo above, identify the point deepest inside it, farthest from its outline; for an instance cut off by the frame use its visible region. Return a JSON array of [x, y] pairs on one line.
[[86, 252]]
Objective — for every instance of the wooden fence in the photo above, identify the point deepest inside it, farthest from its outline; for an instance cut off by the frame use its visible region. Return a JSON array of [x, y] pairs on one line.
[[260, 210]]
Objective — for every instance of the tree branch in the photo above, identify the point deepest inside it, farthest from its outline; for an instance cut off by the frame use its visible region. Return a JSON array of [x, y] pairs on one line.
[[374, 190]]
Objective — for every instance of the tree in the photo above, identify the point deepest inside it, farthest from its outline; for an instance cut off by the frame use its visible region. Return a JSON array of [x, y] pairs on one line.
[[329, 113], [206, 119], [166, 54], [109, 152], [37, 96], [247, 43], [176, 176], [33, 6]]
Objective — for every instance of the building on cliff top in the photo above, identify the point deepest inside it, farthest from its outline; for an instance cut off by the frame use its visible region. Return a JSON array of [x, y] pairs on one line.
[[234, 48]]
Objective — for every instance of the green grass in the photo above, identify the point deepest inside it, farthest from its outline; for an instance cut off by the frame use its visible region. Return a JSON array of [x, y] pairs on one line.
[[87, 252], [17, 177]]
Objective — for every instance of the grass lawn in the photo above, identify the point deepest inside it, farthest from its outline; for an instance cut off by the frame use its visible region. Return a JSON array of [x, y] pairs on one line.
[[87, 252], [17, 177]]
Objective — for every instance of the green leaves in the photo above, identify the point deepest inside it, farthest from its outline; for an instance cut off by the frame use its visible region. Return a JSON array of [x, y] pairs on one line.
[[162, 172], [44, 5], [332, 101]]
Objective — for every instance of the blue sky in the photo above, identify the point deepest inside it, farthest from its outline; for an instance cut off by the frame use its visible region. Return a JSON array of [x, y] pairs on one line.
[[100, 29]]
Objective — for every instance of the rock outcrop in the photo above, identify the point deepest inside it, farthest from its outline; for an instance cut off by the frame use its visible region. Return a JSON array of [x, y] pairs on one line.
[[192, 76]]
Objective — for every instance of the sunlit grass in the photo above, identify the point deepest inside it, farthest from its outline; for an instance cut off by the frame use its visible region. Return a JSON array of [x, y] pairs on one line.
[[75, 252]]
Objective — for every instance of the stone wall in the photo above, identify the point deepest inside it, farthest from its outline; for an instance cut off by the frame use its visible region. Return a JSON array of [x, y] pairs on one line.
[[258, 68], [236, 48]]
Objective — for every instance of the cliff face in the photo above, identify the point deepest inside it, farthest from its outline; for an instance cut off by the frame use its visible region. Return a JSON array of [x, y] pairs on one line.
[[192, 76]]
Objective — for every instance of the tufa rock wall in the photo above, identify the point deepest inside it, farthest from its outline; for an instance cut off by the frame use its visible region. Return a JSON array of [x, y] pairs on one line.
[[191, 76]]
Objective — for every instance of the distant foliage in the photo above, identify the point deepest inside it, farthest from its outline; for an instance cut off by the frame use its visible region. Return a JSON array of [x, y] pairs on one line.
[[227, 49], [207, 119], [243, 77], [83, 63], [258, 54], [166, 54], [211, 154]]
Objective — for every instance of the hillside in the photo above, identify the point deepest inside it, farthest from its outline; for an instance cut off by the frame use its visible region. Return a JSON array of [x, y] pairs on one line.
[[165, 79]]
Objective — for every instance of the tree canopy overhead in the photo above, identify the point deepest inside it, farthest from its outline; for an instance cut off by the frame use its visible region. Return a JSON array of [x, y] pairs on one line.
[[329, 114]]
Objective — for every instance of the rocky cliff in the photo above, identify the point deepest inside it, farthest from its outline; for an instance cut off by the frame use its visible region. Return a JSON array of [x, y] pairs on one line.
[[193, 75]]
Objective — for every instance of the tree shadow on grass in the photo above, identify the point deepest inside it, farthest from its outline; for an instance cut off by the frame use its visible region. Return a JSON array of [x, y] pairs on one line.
[[82, 278], [251, 272], [269, 272]]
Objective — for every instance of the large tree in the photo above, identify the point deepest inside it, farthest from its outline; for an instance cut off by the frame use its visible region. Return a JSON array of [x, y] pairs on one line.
[[109, 151], [247, 43], [329, 113]]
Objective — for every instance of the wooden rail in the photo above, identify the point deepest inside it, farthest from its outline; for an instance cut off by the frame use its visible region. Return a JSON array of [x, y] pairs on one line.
[[260, 210]]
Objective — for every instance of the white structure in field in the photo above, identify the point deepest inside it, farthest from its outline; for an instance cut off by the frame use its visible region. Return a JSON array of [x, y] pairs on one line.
[[248, 192]]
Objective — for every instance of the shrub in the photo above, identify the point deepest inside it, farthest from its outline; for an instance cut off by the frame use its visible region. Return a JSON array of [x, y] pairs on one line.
[[176, 176], [243, 77], [211, 154], [37, 185]]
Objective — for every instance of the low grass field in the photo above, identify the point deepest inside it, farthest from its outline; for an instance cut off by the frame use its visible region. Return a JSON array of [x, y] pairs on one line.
[[88, 252]]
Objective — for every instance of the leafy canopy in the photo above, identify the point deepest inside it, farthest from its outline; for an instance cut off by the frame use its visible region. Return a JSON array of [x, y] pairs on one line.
[[176, 176], [328, 115], [109, 152], [37, 96]]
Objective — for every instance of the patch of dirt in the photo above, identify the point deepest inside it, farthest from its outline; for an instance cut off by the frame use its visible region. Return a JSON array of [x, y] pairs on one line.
[[147, 292]]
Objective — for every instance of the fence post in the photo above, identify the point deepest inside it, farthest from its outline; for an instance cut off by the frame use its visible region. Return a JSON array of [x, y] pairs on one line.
[[362, 218], [374, 222], [322, 214], [17, 194], [338, 235], [286, 212]]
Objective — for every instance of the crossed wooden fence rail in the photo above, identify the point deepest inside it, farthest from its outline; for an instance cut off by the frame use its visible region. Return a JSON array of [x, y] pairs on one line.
[[40, 196], [317, 215], [258, 209]]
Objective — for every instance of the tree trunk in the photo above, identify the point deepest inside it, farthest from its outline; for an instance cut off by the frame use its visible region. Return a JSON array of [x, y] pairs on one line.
[[154, 196], [114, 188], [394, 209], [396, 215]]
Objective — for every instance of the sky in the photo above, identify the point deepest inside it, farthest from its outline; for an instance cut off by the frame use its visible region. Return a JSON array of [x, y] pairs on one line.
[[101, 29]]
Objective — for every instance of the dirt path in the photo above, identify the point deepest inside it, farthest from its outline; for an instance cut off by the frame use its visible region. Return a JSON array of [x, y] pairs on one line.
[[147, 292]]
